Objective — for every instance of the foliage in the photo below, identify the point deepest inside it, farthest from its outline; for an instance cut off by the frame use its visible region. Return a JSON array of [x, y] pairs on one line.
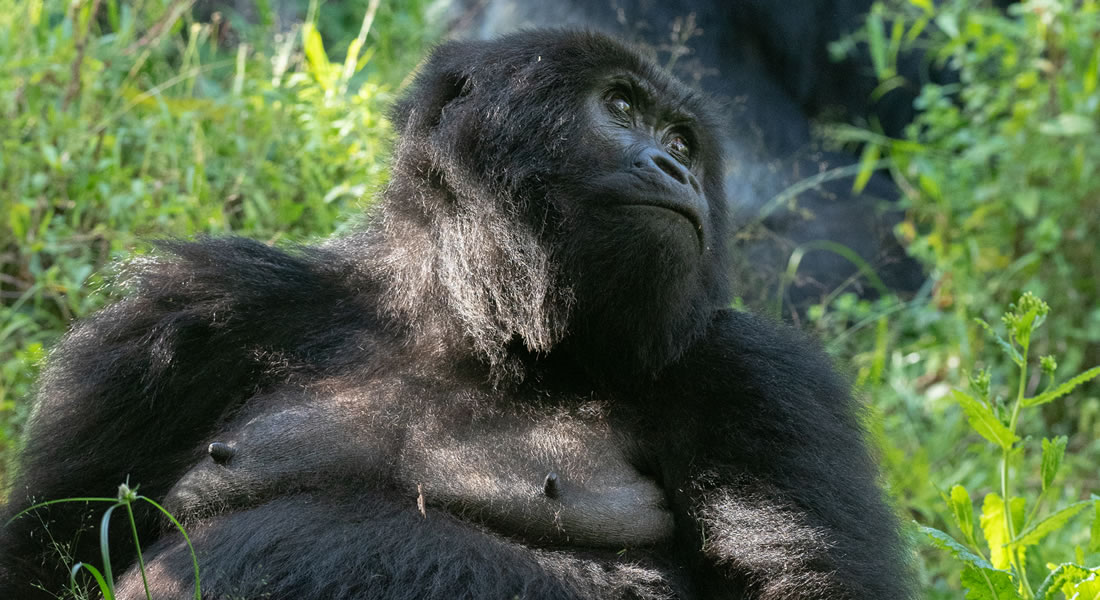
[[1009, 526], [121, 121], [1001, 169], [1000, 181], [907, 358], [104, 579]]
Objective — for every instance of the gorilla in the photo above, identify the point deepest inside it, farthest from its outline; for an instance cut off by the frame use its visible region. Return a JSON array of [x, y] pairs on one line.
[[519, 379], [769, 63]]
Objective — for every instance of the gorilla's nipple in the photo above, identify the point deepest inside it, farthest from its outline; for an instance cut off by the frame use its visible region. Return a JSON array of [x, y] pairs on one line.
[[220, 452], [550, 485]]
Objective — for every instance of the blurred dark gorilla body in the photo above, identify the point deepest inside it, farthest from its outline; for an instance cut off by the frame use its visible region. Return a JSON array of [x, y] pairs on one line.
[[519, 380], [770, 64]]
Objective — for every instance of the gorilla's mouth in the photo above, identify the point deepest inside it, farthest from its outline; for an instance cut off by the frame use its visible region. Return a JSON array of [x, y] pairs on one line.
[[641, 189], [674, 206]]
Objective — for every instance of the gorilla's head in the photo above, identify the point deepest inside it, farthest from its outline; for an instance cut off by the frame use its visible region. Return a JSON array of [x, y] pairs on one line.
[[554, 192]]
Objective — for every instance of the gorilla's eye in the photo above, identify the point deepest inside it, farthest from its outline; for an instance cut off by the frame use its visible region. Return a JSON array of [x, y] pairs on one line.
[[678, 146], [619, 104]]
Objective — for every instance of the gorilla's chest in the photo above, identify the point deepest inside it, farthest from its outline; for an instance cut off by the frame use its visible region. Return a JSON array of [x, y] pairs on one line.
[[552, 469]]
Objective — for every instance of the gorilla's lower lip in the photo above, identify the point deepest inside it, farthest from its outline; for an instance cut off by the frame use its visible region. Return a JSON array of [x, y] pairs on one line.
[[685, 212], [640, 188]]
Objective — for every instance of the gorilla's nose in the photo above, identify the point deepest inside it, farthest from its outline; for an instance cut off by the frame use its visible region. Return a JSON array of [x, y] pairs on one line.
[[658, 161]]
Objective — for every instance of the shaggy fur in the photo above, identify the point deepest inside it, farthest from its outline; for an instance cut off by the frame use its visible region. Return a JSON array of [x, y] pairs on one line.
[[770, 65], [388, 407]]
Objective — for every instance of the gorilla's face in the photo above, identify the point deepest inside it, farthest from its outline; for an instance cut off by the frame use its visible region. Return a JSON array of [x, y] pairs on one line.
[[570, 162], [643, 232], [645, 187]]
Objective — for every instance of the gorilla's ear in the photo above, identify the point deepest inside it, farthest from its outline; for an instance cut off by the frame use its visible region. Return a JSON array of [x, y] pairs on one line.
[[443, 78]]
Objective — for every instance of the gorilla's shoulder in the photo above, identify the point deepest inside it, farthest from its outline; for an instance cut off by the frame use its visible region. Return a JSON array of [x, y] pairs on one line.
[[745, 333], [190, 303], [750, 356], [212, 271]]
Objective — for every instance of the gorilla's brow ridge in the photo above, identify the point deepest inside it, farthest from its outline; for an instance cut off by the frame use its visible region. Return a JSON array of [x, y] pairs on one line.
[[645, 91]]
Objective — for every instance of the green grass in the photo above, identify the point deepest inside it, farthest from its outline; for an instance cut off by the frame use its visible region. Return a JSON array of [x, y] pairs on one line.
[[140, 122], [1000, 175]]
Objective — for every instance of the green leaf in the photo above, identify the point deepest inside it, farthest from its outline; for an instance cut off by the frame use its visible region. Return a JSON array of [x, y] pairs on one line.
[[1054, 522], [1068, 124], [963, 510], [948, 23], [1067, 573], [1091, 74], [918, 26], [1008, 349], [1062, 389], [1088, 589], [19, 219], [105, 545], [1024, 317], [315, 53], [992, 521], [1053, 451], [186, 539], [49, 154], [925, 5], [104, 588], [351, 59], [876, 42], [944, 541], [868, 162], [988, 584], [983, 420], [929, 186], [1094, 531], [1027, 202]]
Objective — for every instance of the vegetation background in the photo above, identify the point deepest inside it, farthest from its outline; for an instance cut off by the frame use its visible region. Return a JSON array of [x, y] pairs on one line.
[[124, 121]]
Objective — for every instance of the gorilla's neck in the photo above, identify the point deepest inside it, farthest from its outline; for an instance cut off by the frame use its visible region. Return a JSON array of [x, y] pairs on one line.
[[475, 280], [467, 280]]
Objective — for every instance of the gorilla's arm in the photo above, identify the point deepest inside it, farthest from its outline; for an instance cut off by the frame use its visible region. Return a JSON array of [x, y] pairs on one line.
[[337, 546], [781, 484], [132, 390]]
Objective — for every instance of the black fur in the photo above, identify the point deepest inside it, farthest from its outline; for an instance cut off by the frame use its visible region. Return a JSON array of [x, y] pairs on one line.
[[377, 417], [769, 62]]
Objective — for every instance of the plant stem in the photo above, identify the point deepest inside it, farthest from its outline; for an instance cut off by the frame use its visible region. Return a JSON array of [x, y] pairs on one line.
[[1021, 567], [137, 545]]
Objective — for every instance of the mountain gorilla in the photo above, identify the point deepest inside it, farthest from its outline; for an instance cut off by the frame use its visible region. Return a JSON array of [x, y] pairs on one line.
[[519, 380]]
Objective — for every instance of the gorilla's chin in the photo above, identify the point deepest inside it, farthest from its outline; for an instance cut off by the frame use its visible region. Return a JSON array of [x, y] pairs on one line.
[[660, 279]]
